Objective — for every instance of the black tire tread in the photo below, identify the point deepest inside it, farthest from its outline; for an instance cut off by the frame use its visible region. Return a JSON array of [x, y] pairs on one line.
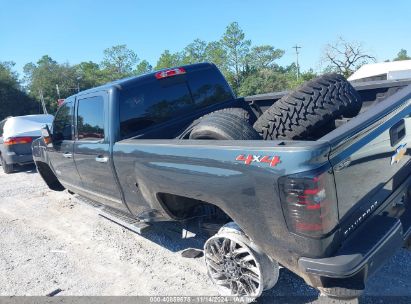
[[223, 126], [239, 112], [312, 106], [7, 168]]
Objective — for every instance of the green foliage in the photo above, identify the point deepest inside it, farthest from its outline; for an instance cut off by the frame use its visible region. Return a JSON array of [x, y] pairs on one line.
[[143, 67], [168, 60], [237, 48], [216, 54], [263, 57], [195, 52], [7, 75], [13, 101], [402, 55], [267, 80], [52, 79], [119, 61], [262, 81], [249, 69], [90, 75]]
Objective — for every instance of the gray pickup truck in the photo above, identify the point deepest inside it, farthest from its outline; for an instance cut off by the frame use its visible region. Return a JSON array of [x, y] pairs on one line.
[[331, 210]]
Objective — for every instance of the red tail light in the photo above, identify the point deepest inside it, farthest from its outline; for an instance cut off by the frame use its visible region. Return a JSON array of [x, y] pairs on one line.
[[17, 140], [309, 203], [170, 73]]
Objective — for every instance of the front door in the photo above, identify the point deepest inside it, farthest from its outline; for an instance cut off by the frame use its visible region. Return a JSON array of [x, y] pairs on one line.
[[61, 152], [92, 149]]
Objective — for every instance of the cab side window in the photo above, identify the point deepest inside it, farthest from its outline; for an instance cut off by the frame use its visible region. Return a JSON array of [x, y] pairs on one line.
[[90, 118], [63, 122]]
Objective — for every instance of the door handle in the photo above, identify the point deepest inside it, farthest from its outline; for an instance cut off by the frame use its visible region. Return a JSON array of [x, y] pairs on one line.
[[101, 159], [67, 155]]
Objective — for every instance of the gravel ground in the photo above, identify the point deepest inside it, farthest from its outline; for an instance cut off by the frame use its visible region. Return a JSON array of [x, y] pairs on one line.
[[51, 240]]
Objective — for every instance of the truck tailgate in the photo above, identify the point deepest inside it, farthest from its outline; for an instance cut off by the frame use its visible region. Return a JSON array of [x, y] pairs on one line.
[[371, 158]]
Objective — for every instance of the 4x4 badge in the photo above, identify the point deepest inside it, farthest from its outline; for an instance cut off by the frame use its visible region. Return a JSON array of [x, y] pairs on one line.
[[273, 161]]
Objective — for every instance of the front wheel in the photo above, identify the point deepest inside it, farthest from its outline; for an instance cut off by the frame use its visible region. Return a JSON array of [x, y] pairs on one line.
[[7, 168], [236, 265]]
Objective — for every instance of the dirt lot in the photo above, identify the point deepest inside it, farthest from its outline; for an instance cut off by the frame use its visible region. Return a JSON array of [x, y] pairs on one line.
[[51, 240]]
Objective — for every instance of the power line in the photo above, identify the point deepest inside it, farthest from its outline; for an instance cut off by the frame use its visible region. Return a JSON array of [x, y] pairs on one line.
[[296, 47]]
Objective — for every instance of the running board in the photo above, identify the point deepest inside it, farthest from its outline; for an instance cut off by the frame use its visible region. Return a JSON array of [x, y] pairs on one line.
[[123, 219]]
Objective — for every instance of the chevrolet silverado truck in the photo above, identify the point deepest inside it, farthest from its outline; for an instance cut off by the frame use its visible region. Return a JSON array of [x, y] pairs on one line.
[[332, 210]]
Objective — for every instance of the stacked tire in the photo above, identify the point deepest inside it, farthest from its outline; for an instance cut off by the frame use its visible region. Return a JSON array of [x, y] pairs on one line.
[[313, 106], [225, 124], [303, 114]]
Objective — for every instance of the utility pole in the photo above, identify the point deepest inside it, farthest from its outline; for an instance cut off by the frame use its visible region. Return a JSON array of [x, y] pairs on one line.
[[42, 102], [58, 90], [296, 47]]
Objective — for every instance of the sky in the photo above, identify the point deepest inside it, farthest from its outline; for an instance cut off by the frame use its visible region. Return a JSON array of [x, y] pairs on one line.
[[79, 30]]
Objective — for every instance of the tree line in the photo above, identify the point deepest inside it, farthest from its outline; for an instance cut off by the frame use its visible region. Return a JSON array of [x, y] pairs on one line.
[[250, 69]]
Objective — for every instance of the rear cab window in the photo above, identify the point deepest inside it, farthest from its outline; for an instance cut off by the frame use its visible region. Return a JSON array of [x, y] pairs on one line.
[[160, 100]]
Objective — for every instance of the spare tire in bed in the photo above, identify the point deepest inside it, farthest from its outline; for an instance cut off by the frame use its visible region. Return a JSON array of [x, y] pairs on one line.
[[223, 126], [300, 114], [248, 116]]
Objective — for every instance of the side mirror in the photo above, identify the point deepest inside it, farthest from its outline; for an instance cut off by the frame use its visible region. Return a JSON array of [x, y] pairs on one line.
[[46, 134]]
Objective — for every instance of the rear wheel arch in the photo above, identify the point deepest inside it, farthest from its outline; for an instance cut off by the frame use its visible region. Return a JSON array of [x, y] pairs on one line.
[[181, 207]]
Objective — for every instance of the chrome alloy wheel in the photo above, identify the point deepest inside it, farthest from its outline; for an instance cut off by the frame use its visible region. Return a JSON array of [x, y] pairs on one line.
[[235, 267]]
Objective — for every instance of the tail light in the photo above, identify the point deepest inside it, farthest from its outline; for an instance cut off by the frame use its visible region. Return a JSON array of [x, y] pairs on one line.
[[17, 140], [309, 203], [170, 73]]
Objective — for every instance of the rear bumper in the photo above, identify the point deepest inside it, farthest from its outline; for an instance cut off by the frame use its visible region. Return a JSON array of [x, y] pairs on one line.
[[13, 158], [351, 267], [365, 251], [17, 154]]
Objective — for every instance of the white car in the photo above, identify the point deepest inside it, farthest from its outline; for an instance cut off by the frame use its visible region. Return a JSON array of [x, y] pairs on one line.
[[16, 136]]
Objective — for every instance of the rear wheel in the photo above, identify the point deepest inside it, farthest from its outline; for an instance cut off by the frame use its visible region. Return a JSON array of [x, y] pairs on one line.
[[7, 168], [236, 265]]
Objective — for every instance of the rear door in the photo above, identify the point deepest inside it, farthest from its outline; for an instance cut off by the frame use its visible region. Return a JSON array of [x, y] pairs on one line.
[[374, 162], [92, 149], [61, 152]]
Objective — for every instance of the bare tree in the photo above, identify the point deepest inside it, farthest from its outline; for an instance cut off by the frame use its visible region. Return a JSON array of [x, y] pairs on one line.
[[345, 57]]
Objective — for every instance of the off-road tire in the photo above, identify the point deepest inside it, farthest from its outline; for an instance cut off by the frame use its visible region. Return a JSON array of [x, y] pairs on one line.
[[7, 168], [317, 103], [223, 126], [240, 112]]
